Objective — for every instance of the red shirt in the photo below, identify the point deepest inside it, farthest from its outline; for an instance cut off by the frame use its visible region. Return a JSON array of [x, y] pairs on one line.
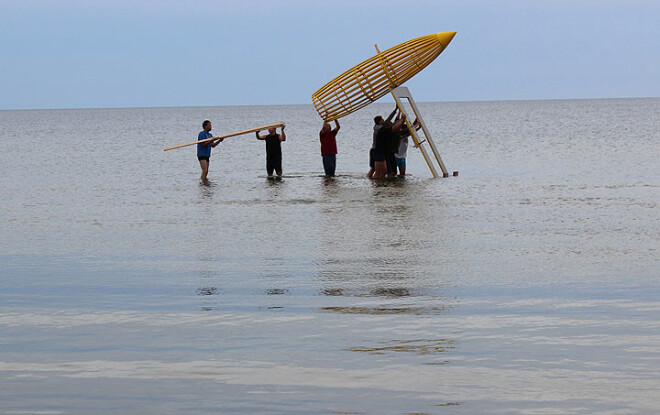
[[328, 142]]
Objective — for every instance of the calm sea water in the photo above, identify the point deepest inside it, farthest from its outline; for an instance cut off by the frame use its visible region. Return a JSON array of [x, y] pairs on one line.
[[529, 284]]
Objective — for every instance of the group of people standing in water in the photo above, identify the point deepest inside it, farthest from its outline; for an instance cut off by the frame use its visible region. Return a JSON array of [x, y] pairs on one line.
[[387, 154], [389, 147]]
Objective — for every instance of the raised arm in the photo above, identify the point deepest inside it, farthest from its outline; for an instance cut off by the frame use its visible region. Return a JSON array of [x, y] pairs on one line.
[[389, 118], [259, 137], [398, 124], [282, 134], [337, 126]]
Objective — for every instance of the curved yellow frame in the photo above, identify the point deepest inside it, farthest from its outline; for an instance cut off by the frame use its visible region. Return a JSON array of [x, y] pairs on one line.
[[375, 77]]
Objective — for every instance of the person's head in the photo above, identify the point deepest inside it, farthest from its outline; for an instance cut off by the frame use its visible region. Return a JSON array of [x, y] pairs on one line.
[[272, 130], [206, 125], [378, 119], [326, 127]]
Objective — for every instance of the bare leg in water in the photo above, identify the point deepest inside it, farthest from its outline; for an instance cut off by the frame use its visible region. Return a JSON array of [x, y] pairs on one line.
[[204, 164]]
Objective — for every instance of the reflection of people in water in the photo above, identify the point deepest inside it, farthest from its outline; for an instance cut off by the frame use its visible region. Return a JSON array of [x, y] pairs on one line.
[[204, 149], [273, 150], [392, 292]]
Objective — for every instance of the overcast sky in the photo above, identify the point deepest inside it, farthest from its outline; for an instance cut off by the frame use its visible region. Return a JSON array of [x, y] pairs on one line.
[[137, 53]]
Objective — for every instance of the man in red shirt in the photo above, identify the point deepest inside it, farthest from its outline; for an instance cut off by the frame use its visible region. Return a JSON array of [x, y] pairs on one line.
[[329, 147]]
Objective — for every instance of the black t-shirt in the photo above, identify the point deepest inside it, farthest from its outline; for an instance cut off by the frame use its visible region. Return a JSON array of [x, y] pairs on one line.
[[273, 146], [387, 141]]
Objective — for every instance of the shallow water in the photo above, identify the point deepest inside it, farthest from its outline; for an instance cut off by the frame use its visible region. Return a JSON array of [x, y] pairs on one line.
[[528, 284]]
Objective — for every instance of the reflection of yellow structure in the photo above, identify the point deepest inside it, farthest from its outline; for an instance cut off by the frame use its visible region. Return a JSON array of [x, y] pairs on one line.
[[378, 75]]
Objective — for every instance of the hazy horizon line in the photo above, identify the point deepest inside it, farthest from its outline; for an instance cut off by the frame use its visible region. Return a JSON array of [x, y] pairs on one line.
[[311, 105]]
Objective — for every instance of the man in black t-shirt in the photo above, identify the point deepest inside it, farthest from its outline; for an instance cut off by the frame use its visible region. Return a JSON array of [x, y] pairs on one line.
[[273, 150]]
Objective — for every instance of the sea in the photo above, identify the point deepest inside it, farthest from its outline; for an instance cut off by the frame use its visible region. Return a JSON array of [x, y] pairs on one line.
[[527, 284]]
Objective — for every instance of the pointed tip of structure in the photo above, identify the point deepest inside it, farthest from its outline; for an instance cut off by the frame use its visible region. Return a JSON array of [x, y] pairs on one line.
[[445, 37]]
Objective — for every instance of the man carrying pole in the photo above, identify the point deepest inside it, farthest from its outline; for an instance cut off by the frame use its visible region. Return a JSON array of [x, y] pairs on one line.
[[273, 150], [204, 149]]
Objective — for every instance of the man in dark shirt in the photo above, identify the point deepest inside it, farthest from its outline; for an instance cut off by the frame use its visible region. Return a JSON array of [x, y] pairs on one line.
[[378, 123], [387, 135], [273, 150]]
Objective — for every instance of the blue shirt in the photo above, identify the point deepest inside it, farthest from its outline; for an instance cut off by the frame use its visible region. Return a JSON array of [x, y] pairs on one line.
[[204, 150]]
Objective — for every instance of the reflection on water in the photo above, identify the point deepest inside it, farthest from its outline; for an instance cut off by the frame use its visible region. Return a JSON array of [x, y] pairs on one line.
[[207, 291], [416, 346], [391, 292], [388, 310], [382, 257], [378, 292], [207, 188]]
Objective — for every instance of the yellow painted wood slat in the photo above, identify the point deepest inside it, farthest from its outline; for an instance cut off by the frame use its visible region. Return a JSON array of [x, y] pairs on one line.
[[386, 70]]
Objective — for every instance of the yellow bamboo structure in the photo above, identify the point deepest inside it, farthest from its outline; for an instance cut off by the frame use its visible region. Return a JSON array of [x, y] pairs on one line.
[[377, 76], [206, 140]]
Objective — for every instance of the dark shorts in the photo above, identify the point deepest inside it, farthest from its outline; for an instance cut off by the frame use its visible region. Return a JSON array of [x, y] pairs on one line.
[[274, 164], [391, 162], [378, 156], [371, 157], [200, 158]]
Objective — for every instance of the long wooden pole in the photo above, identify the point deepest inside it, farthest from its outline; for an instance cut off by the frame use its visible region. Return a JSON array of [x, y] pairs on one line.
[[207, 140]]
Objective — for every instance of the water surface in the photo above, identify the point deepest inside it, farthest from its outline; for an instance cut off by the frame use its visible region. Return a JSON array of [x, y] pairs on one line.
[[528, 284]]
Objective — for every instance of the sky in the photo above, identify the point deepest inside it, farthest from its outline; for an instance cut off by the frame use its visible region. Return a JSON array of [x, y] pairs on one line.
[[167, 53]]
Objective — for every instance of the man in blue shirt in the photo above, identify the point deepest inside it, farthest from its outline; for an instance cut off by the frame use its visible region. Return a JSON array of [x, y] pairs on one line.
[[204, 149]]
